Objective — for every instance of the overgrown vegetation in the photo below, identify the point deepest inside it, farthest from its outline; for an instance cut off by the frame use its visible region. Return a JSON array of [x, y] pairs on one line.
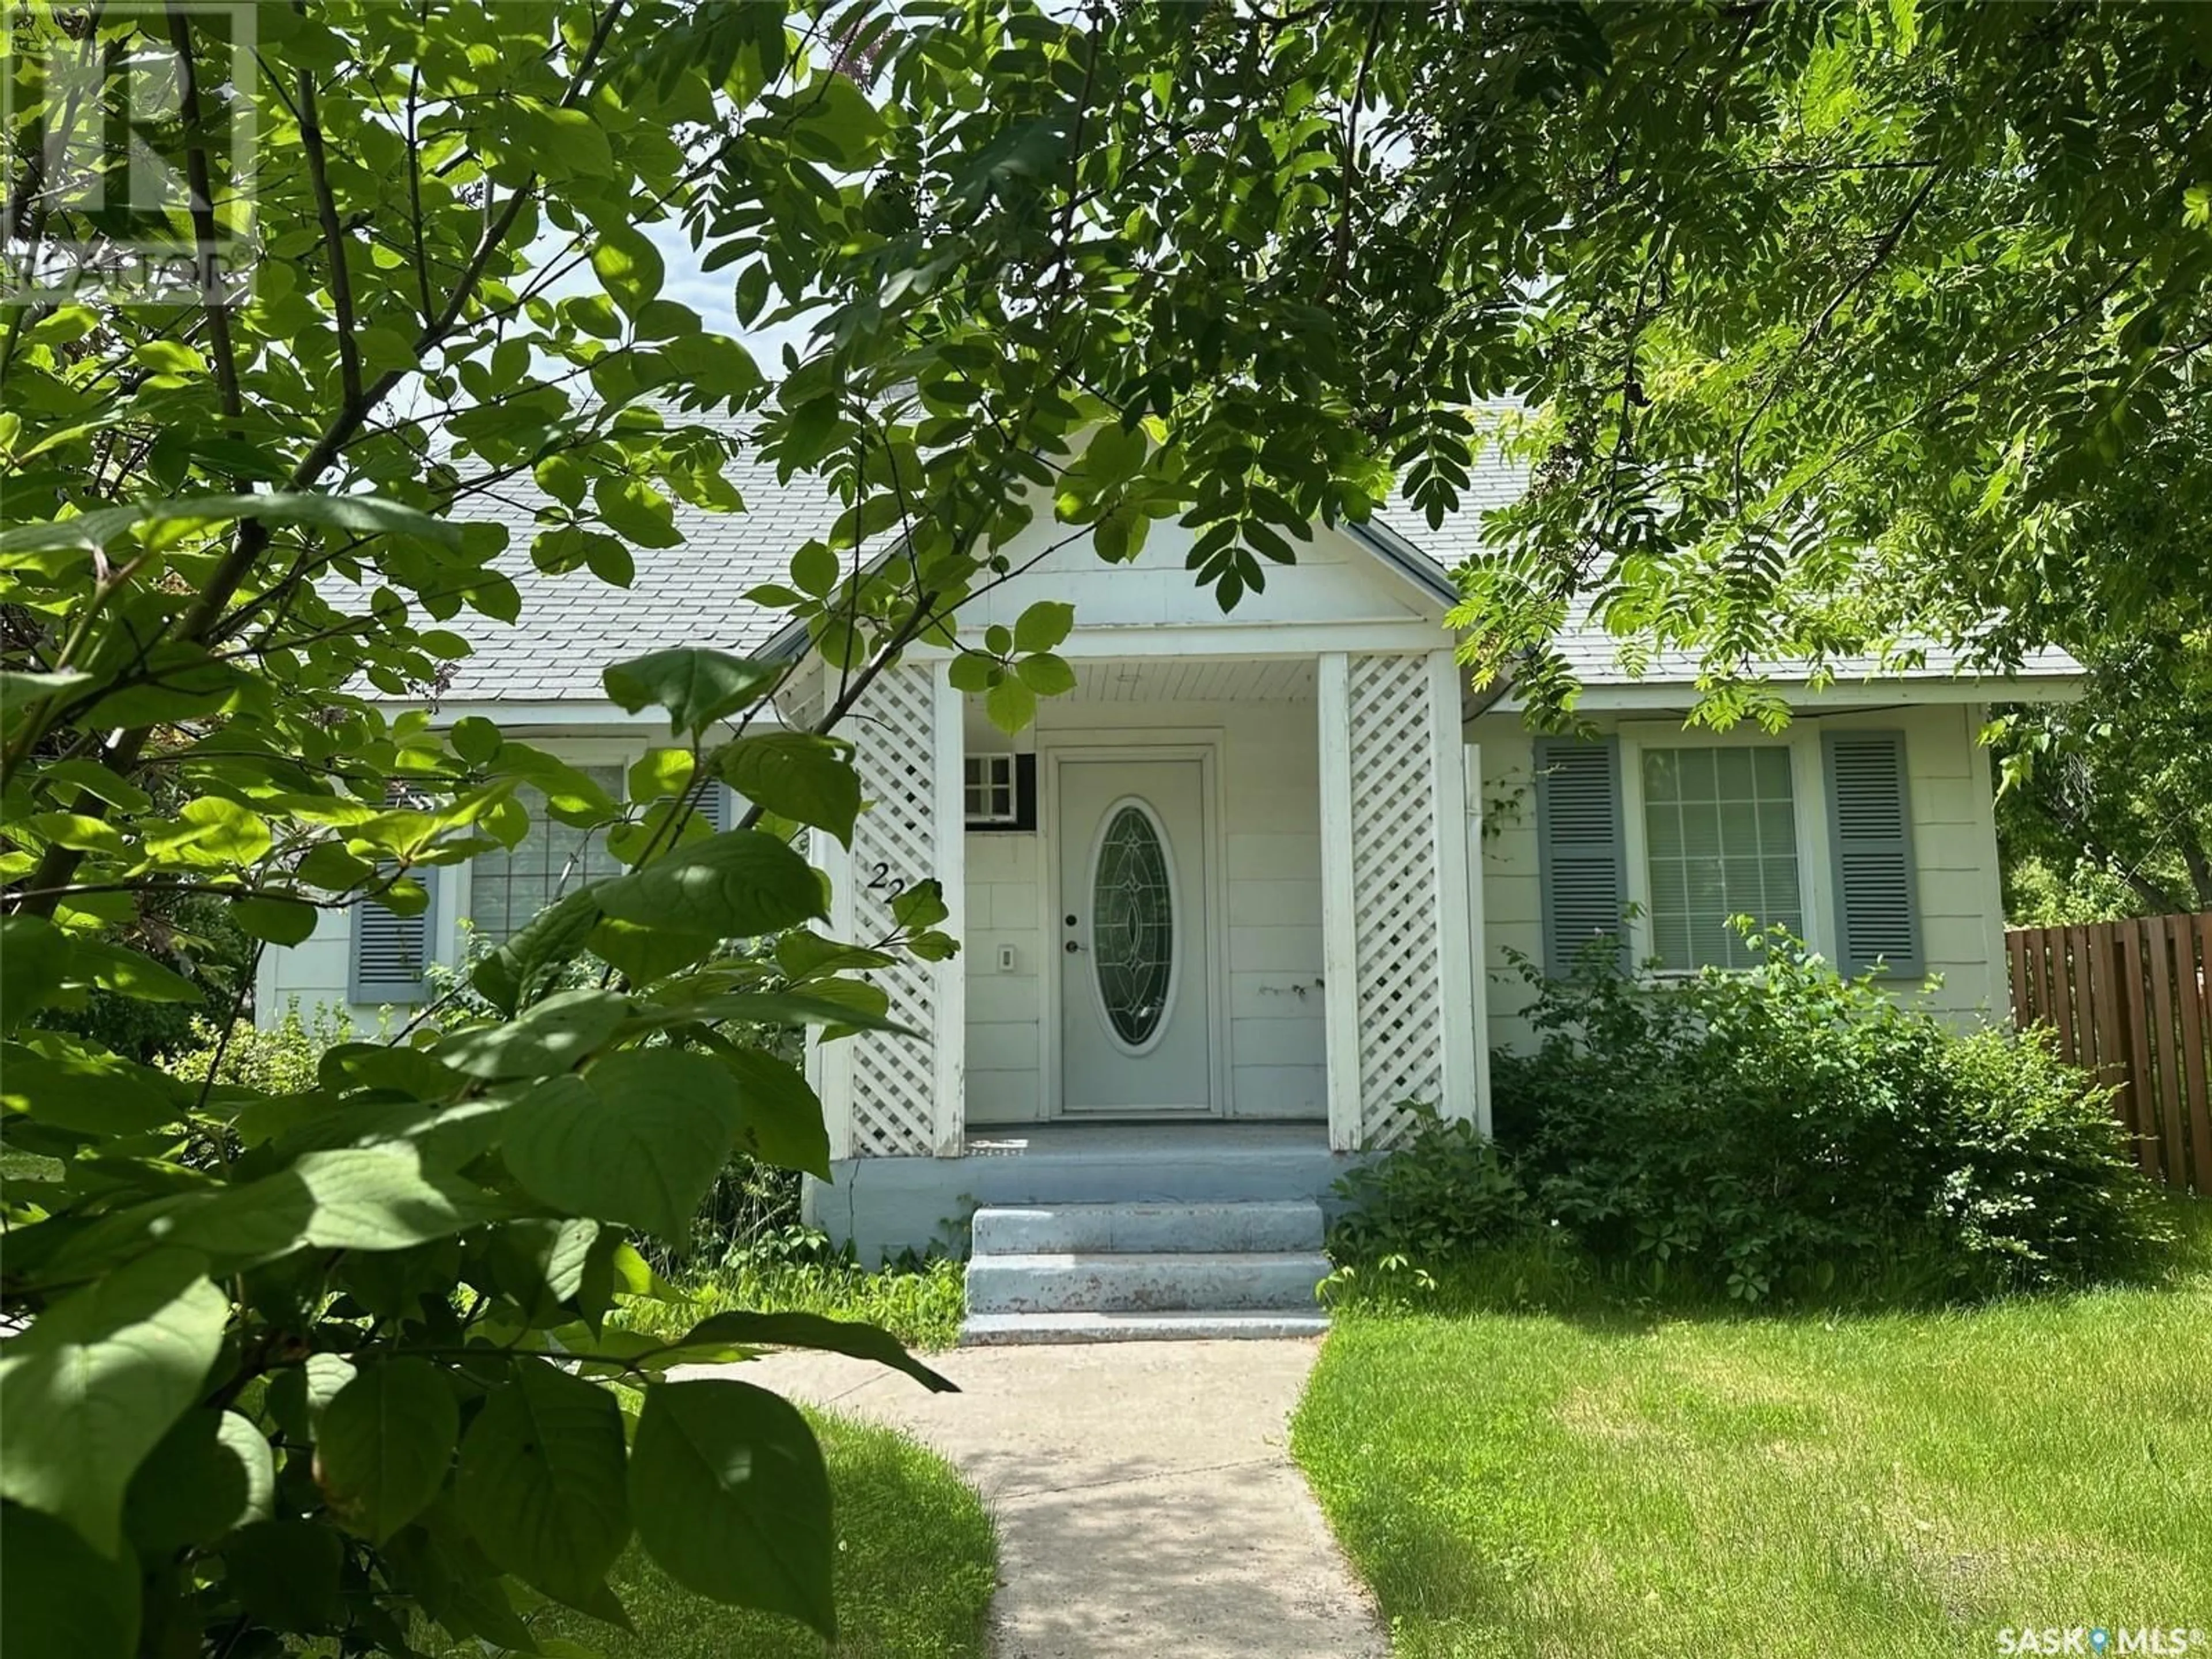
[[1784, 1132], [921, 1303]]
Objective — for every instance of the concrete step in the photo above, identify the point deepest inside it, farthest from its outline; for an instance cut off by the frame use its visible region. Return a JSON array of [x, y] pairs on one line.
[[1084, 1281], [1006, 1330], [1163, 1229]]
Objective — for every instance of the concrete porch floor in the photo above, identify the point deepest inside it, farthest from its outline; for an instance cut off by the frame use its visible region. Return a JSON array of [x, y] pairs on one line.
[[885, 1204]]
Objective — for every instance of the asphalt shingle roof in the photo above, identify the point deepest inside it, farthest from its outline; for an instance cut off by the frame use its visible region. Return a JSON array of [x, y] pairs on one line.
[[572, 625]]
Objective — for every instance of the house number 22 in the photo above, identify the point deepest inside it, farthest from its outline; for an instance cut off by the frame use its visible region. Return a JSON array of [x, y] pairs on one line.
[[883, 881]]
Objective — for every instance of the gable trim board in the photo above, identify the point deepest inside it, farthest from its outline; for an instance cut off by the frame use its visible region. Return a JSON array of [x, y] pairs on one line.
[[1858, 880]]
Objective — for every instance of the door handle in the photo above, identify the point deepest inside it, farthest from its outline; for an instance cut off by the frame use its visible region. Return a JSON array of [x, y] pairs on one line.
[[1071, 947]]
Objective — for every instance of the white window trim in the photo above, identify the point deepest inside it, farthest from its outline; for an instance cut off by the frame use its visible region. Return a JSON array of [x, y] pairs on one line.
[[989, 764], [1808, 790]]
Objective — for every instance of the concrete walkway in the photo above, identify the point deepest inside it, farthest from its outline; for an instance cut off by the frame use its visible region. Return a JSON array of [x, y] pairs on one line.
[[1146, 1501]]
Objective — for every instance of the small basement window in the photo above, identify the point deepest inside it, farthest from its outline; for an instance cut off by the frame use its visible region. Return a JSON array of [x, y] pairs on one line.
[[998, 791]]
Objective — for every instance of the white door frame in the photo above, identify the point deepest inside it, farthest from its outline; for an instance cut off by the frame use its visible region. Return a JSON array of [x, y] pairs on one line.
[[1202, 743]]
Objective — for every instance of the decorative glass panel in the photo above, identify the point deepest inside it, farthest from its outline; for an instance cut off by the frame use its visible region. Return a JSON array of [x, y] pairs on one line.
[[1720, 834], [1132, 925]]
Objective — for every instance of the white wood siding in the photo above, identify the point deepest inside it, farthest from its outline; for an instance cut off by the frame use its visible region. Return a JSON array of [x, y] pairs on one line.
[[1271, 887], [1953, 843]]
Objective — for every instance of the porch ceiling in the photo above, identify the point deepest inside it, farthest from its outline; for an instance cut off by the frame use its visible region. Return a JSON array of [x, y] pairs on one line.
[[1153, 679]]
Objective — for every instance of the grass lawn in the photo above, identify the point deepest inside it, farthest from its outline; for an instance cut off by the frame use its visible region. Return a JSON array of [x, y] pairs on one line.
[[916, 1561], [922, 1308], [1602, 1483]]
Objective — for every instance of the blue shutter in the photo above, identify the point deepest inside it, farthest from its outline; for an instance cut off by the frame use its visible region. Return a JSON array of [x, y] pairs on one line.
[[1870, 839], [1582, 865], [391, 954]]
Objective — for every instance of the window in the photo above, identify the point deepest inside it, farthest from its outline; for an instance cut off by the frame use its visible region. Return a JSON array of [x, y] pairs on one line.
[[989, 792], [1720, 834], [506, 889], [990, 785]]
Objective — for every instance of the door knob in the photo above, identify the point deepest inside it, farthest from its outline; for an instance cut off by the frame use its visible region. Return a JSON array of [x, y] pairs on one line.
[[1071, 947]]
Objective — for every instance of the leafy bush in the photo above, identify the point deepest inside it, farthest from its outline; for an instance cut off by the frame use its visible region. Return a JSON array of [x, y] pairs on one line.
[[1444, 1194], [282, 1059], [1790, 1131]]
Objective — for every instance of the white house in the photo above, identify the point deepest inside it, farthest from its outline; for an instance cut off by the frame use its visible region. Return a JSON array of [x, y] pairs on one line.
[[1249, 890]]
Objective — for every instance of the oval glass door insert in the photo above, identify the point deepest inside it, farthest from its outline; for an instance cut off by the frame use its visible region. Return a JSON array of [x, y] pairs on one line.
[[1133, 924]]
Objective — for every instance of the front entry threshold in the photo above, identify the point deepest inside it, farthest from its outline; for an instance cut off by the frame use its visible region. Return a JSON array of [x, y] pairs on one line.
[[882, 1206]]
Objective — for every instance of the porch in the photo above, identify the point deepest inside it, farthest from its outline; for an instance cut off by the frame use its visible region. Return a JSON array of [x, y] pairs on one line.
[[1218, 928]]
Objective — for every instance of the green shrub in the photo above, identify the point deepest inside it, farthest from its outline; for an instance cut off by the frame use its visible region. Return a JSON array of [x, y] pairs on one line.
[[281, 1059], [1444, 1194], [1787, 1131]]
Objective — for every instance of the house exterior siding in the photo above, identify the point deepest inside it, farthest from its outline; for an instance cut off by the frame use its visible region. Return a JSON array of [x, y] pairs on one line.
[[1954, 835], [1270, 886]]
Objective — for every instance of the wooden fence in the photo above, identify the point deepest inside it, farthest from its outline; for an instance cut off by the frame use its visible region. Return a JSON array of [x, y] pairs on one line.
[[2132, 1002]]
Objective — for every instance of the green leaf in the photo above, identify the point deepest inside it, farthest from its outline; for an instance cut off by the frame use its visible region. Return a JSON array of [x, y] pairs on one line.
[[639, 1139], [779, 1115], [1046, 675], [661, 773], [104, 1373], [19, 689], [646, 954], [107, 1096], [541, 1481], [475, 738], [1114, 455], [1043, 625], [211, 831], [394, 1066], [350, 1198], [747, 1329], [734, 885], [1010, 704], [211, 1474], [35, 954], [64, 1597], [530, 961], [287, 1573], [384, 1445], [629, 267], [796, 775], [130, 974], [279, 920], [331, 868], [80, 830], [696, 686], [815, 569], [637, 512], [733, 1500], [554, 1035], [360, 516]]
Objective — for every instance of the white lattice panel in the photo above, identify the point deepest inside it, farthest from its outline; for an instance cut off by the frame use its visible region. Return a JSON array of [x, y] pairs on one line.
[[1397, 892], [895, 844]]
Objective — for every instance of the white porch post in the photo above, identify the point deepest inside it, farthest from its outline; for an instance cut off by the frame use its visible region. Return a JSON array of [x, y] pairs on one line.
[[882, 1094], [949, 748], [830, 1065], [1339, 919], [1477, 935], [1463, 1094]]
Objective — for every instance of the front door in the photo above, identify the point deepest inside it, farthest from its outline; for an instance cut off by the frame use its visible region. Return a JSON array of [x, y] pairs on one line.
[[1136, 983]]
